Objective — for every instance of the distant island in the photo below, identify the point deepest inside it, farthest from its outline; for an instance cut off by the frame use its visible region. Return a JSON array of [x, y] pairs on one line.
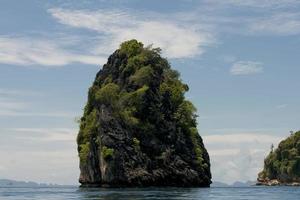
[[14, 183], [235, 184], [138, 129], [282, 165]]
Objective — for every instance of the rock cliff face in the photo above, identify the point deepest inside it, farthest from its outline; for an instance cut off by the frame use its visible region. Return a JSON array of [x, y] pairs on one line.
[[137, 128], [282, 166]]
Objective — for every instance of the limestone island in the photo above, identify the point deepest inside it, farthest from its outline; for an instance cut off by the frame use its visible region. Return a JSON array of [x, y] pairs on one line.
[[282, 166], [137, 128]]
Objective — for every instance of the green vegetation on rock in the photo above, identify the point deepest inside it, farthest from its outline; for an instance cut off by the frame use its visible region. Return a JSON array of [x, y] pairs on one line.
[[283, 163], [136, 107], [108, 94], [84, 150], [136, 143], [107, 153]]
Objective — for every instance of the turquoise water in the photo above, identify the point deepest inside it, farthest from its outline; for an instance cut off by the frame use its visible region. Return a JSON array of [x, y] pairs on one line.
[[66, 193]]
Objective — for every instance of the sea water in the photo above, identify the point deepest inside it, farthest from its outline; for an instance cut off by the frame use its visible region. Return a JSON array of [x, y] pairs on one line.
[[226, 193]]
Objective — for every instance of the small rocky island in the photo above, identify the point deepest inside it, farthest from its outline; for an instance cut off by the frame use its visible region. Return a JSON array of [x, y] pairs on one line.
[[282, 166], [138, 129]]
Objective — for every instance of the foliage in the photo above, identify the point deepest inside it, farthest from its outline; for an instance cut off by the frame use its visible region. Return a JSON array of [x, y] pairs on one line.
[[143, 76], [107, 153], [185, 114], [134, 98], [197, 148], [108, 94], [136, 143], [131, 48], [175, 89], [127, 115], [88, 127], [84, 150], [284, 162]]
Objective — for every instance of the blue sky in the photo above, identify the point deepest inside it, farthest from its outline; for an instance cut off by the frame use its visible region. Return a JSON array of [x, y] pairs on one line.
[[240, 59]]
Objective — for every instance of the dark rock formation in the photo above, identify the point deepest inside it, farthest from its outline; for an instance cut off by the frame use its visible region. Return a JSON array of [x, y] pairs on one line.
[[282, 165], [137, 128]]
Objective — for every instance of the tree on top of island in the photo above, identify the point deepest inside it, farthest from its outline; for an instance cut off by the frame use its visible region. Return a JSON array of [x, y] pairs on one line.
[[137, 128]]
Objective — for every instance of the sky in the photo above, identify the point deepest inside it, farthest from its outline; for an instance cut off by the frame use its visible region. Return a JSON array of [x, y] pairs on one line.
[[239, 58]]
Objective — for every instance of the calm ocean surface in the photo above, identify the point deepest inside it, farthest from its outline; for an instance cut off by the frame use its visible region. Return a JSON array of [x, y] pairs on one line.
[[65, 193]]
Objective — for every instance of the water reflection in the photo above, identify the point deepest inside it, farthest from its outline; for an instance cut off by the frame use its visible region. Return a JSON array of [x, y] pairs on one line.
[[143, 193], [75, 193]]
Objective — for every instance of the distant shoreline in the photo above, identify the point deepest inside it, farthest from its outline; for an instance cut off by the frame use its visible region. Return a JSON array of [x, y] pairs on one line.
[[7, 183]]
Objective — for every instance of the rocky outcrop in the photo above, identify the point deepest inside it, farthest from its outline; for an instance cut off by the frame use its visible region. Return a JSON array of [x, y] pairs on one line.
[[137, 128], [275, 182], [282, 165]]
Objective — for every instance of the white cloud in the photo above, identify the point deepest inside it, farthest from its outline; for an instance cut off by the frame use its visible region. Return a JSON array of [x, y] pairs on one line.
[[223, 152], [240, 138], [41, 52], [177, 40], [284, 23], [240, 156], [246, 68], [46, 134], [53, 166], [7, 104], [243, 165], [258, 3], [281, 106], [44, 154], [11, 105], [180, 35], [107, 21], [18, 113], [6, 92], [262, 17]]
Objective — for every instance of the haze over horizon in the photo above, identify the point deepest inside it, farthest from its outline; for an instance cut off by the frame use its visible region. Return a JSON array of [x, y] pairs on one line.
[[239, 58]]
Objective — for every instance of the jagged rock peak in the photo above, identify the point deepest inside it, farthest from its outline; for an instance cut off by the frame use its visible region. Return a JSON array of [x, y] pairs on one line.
[[137, 128]]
